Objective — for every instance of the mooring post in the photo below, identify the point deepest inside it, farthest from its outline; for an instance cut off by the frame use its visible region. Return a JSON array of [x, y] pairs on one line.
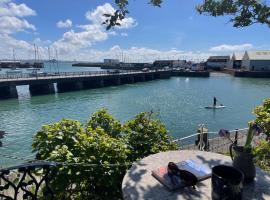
[[201, 145], [236, 136]]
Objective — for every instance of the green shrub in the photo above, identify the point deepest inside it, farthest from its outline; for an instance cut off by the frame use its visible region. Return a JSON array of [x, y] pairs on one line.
[[104, 120], [262, 155], [263, 117], [145, 136], [64, 136], [103, 141]]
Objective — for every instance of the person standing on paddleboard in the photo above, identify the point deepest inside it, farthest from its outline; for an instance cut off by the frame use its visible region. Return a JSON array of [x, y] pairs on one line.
[[215, 101]]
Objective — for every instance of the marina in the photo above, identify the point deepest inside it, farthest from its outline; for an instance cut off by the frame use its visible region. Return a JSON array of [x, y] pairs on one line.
[[179, 102]]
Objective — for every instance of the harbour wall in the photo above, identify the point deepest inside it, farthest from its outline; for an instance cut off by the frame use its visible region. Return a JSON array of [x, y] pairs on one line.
[[252, 74], [65, 82]]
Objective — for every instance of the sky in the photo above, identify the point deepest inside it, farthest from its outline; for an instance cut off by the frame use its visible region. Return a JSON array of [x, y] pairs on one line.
[[72, 30]]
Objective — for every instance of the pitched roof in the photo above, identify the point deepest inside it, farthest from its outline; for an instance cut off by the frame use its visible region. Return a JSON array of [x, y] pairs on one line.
[[258, 55], [238, 56]]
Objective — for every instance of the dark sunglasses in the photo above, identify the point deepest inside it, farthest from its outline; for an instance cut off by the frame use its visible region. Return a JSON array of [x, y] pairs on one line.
[[189, 178]]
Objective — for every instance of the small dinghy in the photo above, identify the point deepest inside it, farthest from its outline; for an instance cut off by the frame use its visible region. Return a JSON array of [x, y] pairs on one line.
[[215, 107]]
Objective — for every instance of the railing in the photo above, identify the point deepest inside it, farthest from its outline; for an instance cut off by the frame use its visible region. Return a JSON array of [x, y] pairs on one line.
[[54, 180], [211, 141], [28, 181], [70, 74]]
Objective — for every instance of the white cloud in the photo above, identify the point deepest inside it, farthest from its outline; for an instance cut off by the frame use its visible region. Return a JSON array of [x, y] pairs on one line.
[[97, 16], [91, 33], [8, 8], [73, 41], [64, 24], [10, 24], [231, 48], [135, 54], [124, 34], [9, 43], [41, 42], [12, 20], [112, 33], [11, 17]]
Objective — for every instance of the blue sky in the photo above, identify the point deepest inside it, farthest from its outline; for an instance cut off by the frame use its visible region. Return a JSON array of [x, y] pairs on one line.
[[73, 28]]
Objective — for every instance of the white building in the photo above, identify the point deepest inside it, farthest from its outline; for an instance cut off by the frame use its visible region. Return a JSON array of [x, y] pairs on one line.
[[236, 60], [217, 62], [256, 60]]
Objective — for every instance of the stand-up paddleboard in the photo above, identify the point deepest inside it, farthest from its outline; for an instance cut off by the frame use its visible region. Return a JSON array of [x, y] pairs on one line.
[[215, 107]]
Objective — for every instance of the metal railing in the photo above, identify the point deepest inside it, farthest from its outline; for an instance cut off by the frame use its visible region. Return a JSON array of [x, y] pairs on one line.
[[54, 75], [211, 141], [54, 180], [28, 181]]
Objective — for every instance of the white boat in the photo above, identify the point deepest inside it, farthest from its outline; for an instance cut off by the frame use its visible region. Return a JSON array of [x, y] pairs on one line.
[[215, 107]]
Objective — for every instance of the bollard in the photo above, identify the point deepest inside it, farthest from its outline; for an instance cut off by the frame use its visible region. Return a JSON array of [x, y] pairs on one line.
[[236, 136]]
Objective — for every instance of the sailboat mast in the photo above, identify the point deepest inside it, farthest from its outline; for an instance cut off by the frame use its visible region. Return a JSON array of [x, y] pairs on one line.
[[13, 55], [49, 54], [56, 54], [35, 52]]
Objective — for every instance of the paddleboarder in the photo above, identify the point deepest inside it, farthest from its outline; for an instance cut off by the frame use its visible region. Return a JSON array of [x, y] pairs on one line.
[[215, 101]]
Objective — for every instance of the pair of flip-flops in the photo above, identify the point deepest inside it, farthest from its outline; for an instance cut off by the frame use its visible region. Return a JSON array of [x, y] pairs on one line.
[[189, 178]]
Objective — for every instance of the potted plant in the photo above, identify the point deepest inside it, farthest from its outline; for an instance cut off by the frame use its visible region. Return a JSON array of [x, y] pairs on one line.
[[242, 155]]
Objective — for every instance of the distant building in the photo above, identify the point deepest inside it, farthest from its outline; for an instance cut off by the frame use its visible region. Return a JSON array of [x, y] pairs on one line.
[[197, 66], [179, 63], [217, 62], [236, 60], [256, 61], [111, 61], [163, 63], [169, 63]]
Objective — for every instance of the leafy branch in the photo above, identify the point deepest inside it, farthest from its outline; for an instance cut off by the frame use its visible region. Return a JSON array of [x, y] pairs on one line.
[[243, 12]]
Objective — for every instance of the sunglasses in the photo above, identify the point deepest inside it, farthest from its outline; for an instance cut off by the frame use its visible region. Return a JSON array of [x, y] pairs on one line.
[[189, 178]]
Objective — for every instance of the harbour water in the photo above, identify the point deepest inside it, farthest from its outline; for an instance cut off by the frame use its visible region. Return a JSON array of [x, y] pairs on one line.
[[60, 67], [179, 102]]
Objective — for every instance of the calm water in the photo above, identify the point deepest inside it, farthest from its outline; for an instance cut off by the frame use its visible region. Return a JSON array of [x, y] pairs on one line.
[[61, 67], [178, 101]]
